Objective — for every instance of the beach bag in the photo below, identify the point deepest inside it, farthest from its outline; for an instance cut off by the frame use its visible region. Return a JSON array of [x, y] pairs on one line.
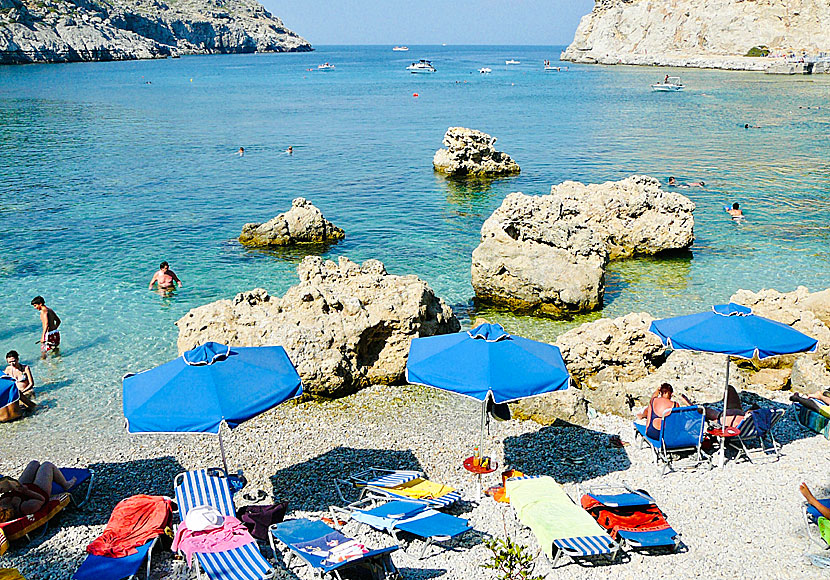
[[9, 400], [257, 518]]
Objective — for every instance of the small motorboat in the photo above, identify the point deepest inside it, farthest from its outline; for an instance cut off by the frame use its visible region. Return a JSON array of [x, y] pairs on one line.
[[669, 85], [485, 70], [551, 68], [400, 48], [511, 61], [325, 66], [421, 67]]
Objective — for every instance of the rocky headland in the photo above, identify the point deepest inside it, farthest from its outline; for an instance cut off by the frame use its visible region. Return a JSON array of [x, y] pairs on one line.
[[470, 153], [704, 34], [68, 31], [302, 224], [345, 325], [547, 254]]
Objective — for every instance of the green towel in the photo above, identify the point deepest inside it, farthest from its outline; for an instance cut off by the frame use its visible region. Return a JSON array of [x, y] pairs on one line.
[[543, 506]]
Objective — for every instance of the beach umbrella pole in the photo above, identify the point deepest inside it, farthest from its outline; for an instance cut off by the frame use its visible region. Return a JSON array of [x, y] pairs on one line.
[[483, 426], [222, 450], [722, 459]]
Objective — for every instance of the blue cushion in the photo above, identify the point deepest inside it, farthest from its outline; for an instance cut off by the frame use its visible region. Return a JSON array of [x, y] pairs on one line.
[[105, 568], [650, 539]]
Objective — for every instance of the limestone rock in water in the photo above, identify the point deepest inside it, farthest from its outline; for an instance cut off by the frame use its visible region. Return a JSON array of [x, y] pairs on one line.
[[302, 224], [67, 31], [698, 33], [471, 153], [547, 254], [345, 325]]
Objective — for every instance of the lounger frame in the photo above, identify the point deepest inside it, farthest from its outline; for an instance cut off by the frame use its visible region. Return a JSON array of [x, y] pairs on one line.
[[748, 430], [365, 482], [663, 452]]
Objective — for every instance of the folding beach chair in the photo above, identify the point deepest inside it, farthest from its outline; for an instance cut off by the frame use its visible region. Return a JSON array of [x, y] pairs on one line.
[[398, 484], [210, 487], [758, 423], [631, 517], [105, 568], [811, 516], [328, 552], [415, 518], [562, 528], [80, 492], [681, 430]]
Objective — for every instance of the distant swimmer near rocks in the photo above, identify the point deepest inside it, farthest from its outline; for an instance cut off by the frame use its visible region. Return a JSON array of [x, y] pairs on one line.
[[471, 153], [302, 224]]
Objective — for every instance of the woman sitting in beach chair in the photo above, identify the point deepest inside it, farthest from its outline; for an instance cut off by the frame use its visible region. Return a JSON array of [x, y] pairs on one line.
[[659, 406], [28, 494]]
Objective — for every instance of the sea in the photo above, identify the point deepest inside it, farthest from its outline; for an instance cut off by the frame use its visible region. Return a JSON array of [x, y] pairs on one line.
[[106, 169]]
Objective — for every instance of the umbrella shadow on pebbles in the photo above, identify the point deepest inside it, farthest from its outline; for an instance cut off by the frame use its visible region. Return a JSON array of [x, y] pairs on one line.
[[568, 453], [309, 486]]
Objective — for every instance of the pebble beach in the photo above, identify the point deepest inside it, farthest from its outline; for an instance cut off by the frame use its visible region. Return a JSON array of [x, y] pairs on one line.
[[743, 520]]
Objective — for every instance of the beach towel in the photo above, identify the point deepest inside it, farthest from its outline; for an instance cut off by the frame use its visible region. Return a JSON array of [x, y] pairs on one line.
[[422, 489], [9, 399], [232, 534], [542, 505], [10, 574], [258, 518], [133, 522], [641, 518]]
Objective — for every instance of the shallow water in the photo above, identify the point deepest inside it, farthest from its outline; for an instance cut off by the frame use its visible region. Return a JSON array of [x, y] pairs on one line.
[[102, 176]]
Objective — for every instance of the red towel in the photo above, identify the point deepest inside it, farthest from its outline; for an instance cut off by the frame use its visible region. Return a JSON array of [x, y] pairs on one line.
[[133, 521]]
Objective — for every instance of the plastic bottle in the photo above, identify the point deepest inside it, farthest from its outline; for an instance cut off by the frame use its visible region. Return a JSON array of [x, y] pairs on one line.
[[476, 457]]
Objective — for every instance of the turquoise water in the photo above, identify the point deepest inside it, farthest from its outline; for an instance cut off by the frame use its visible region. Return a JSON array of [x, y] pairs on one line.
[[102, 176]]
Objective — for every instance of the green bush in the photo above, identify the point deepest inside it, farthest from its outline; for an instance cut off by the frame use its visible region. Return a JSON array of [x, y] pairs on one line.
[[510, 560], [758, 51]]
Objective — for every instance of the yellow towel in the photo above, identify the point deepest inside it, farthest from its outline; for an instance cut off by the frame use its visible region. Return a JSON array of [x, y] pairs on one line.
[[10, 574], [421, 489]]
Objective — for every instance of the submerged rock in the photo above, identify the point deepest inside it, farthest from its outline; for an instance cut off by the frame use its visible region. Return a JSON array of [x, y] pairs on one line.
[[302, 224], [471, 153], [547, 254], [345, 325]]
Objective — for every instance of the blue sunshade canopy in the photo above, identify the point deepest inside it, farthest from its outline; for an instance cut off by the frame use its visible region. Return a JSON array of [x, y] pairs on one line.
[[208, 385], [487, 361], [732, 329]]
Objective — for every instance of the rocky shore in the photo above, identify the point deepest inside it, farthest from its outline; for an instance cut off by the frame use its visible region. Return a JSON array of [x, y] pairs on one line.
[[63, 31], [703, 34]]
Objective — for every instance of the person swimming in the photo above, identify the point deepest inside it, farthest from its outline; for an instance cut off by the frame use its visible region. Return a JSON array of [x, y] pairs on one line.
[[735, 211], [290, 150], [241, 151], [165, 278]]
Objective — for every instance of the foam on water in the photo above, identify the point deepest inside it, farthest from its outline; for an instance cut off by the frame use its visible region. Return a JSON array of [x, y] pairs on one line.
[[103, 176]]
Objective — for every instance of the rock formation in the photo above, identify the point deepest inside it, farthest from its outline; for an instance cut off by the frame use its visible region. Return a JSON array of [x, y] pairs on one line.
[[699, 33], [66, 31], [345, 326], [547, 254], [302, 224], [471, 153]]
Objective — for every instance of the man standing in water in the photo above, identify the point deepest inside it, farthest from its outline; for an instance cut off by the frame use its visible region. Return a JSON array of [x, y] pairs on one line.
[[50, 338], [165, 278]]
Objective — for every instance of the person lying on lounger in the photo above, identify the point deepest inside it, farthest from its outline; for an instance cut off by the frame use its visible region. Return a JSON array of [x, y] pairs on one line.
[[658, 407], [734, 410], [26, 495]]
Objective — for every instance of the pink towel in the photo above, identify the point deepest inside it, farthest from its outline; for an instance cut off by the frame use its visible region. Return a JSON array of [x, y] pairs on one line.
[[232, 534]]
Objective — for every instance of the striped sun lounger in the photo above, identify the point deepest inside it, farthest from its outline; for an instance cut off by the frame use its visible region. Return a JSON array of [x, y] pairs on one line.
[[562, 528], [203, 487], [399, 484]]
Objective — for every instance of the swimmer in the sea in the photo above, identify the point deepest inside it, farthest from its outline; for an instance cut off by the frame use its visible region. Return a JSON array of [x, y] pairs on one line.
[[672, 181], [735, 211], [241, 151], [290, 150], [165, 278]]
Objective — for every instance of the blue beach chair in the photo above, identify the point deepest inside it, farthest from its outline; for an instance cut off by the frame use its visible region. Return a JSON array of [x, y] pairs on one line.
[[618, 506], [414, 518], [105, 568], [85, 479], [313, 541], [758, 423], [681, 430], [211, 487], [811, 516], [406, 485]]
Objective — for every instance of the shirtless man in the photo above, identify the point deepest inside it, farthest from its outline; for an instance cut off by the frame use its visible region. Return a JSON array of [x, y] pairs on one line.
[[50, 338], [22, 375], [735, 211], [165, 278]]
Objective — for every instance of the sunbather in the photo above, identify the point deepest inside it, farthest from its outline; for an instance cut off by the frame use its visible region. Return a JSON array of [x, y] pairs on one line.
[[734, 410], [658, 407], [811, 499], [26, 495]]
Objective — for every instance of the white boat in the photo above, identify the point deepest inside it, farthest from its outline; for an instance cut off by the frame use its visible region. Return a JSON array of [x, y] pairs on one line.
[[325, 66], [511, 61], [669, 85], [485, 70], [421, 67], [551, 68], [400, 48]]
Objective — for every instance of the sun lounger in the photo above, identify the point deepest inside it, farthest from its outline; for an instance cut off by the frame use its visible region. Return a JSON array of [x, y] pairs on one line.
[[681, 430], [562, 528], [104, 568], [210, 487], [811, 516], [80, 492], [399, 484], [329, 552], [414, 518], [22, 527], [631, 517], [758, 423]]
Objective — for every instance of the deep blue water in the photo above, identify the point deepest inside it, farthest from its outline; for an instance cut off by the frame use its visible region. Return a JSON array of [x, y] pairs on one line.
[[103, 175]]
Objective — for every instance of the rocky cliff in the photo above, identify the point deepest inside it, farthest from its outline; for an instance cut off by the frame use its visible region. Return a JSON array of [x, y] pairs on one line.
[[81, 30], [699, 33]]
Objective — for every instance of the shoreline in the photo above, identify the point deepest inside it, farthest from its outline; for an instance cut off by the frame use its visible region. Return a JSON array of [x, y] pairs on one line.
[[725, 62]]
